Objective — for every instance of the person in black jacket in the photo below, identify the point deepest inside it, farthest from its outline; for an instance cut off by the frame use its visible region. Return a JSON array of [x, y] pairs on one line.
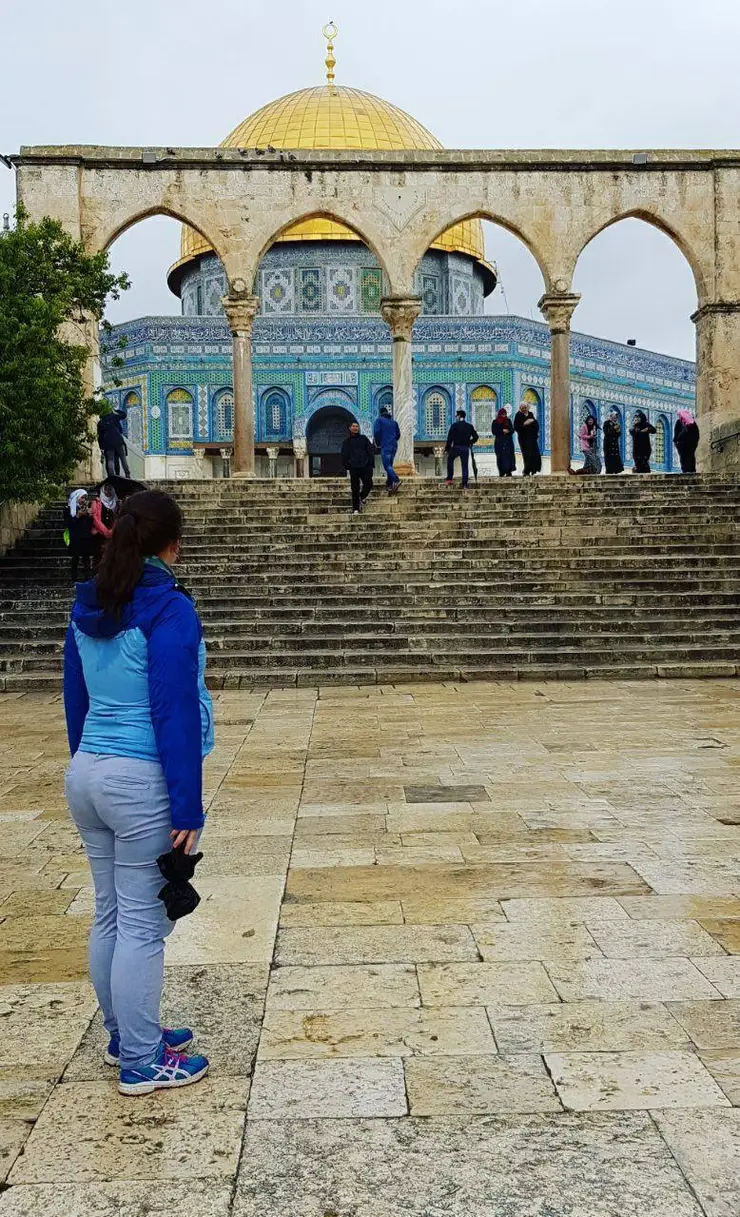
[[528, 429], [642, 449], [358, 458], [460, 439], [84, 544], [502, 431], [112, 444], [686, 439]]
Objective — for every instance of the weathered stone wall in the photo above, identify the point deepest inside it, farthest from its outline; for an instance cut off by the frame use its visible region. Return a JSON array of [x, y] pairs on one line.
[[14, 520]]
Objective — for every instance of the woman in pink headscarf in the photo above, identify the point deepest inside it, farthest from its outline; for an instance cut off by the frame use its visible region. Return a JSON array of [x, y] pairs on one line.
[[686, 438]]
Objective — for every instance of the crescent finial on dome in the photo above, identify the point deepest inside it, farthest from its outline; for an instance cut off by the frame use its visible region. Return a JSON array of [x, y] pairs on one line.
[[330, 32]]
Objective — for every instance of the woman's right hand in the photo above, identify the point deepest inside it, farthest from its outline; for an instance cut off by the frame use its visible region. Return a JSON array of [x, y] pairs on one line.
[[184, 838]]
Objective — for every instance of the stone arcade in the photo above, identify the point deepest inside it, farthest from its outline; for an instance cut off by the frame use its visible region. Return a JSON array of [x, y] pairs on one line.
[[404, 204]]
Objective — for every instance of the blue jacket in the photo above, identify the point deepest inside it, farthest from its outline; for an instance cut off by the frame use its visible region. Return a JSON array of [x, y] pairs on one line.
[[386, 433], [136, 687]]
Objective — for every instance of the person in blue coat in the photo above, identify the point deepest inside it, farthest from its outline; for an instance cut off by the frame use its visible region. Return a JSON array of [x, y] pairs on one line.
[[139, 722], [386, 434]]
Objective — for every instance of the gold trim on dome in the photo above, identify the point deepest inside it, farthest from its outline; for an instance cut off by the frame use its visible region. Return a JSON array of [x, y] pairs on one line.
[[334, 116]]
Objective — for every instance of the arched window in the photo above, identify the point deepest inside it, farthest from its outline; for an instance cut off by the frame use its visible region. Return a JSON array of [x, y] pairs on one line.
[[134, 424], [484, 402], [179, 418], [222, 415], [384, 397], [532, 398], [436, 410], [661, 442], [275, 413]]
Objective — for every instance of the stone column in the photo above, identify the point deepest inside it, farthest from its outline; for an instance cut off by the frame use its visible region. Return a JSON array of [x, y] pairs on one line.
[[300, 454], [400, 312], [86, 332], [557, 308], [241, 308], [718, 386], [272, 458], [439, 456]]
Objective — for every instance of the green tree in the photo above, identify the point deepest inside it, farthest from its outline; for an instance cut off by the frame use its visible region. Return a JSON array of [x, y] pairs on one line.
[[50, 288]]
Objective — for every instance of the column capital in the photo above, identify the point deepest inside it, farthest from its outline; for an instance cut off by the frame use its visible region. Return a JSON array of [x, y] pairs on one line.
[[557, 308], [241, 308], [400, 313]]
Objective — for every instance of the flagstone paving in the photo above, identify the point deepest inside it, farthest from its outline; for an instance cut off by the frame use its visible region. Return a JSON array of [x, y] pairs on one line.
[[462, 951]]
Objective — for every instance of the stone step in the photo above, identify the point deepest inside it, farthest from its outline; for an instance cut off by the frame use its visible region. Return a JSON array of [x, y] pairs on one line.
[[553, 578], [358, 657]]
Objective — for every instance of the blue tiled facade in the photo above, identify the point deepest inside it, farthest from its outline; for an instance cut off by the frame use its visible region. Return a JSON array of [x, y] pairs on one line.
[[310, 353]]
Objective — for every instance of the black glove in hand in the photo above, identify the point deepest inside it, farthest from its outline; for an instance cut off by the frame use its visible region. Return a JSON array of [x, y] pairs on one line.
[[179, 899], [177, 866], [178, 895]]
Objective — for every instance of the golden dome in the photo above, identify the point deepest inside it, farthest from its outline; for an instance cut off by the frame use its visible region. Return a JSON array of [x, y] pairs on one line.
[[333, 116]]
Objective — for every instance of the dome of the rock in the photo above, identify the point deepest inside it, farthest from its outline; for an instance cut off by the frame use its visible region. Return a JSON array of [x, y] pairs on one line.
[[334, 116]]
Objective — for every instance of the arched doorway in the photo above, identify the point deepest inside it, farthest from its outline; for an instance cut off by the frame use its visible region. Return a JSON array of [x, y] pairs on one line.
[[325, 433]]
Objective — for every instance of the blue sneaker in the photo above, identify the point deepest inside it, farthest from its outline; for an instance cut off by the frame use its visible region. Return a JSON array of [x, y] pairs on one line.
[[178, 1040], [168, 1069]]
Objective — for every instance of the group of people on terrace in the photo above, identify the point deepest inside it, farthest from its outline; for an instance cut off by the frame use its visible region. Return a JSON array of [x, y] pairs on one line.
[[685, 439], [359, 452]]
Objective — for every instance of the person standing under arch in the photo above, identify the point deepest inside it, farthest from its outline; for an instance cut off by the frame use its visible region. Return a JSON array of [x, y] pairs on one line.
[[112, 444], [358, 458], [528, 430], [386, 434], [686, 440], [460, 439], [587, 435], [502, 431], [612, 451], [642, 449]]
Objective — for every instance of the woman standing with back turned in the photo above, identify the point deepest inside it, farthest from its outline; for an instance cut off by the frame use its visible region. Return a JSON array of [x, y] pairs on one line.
[[139, 722], [686, 439], [642, 449], [502, 431]]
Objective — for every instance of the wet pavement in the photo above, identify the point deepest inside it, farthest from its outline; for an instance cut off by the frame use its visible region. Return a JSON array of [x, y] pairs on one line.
[[466, 950]]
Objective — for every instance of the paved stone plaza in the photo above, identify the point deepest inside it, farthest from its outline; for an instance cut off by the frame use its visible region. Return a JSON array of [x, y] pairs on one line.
[[463, 950]]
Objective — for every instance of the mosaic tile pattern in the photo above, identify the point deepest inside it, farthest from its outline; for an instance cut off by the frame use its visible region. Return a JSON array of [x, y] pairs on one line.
[[506, 354]]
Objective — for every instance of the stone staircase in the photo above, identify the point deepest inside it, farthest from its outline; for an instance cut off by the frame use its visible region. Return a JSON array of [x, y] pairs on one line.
[[626, 577]]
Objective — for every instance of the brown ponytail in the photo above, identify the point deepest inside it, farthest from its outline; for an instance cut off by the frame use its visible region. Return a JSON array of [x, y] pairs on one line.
[[148, 523]]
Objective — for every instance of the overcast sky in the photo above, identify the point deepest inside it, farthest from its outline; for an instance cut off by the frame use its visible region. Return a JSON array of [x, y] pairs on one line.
[[479, 74]]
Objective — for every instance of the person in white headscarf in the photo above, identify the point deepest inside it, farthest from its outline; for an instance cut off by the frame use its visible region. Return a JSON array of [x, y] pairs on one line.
[[79, 533]]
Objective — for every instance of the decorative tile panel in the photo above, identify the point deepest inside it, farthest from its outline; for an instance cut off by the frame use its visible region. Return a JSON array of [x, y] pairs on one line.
[[278, 295], [371, 288], [431, 294], [341, 287], [202, 411], [310, 287]]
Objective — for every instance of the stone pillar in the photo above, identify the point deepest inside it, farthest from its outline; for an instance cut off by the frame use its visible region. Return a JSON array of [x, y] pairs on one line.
[[718, 386], [400, 312], [272, 458], [241, 308], [439, 456], [226, 458], [300, 454], [557, 308], [86, 332]]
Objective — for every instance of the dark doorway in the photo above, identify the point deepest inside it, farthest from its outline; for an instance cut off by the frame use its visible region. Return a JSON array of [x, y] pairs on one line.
[[325, 434]]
